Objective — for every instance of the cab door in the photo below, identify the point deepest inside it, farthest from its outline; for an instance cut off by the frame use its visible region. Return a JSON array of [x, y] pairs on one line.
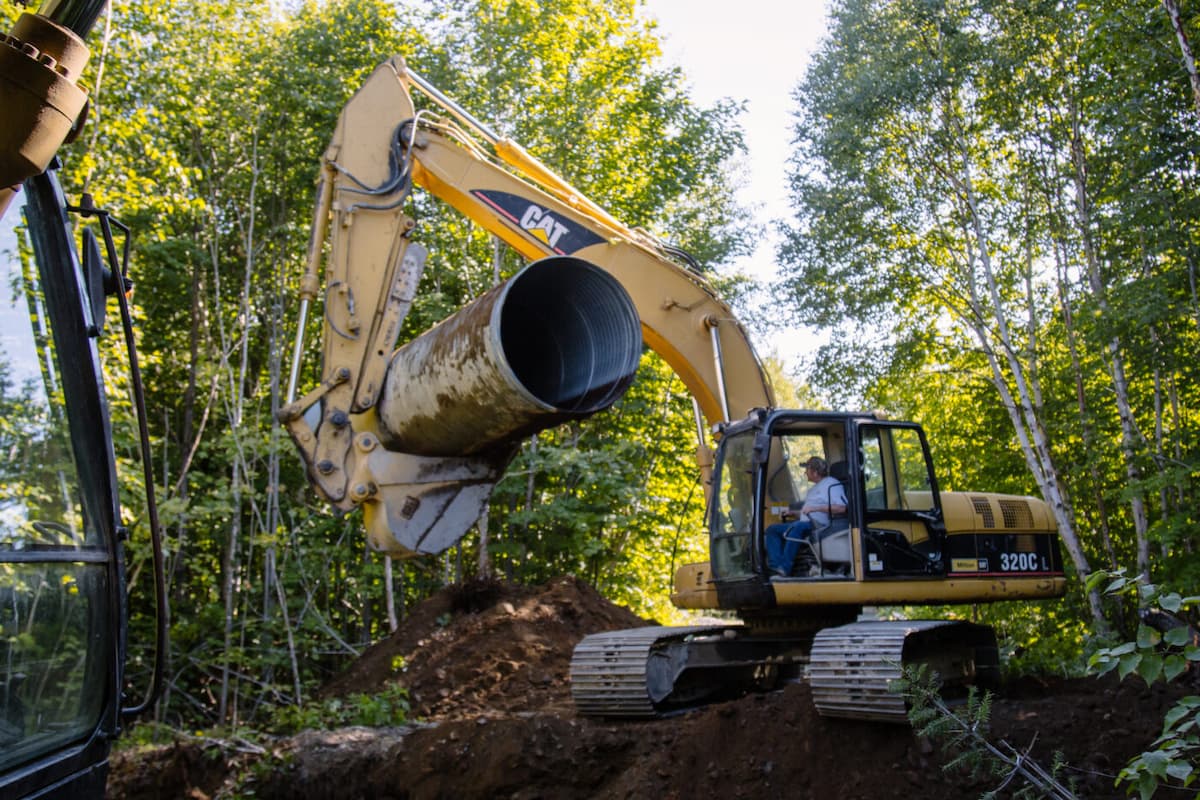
[[61, 576], [904, 531], [731, 514]]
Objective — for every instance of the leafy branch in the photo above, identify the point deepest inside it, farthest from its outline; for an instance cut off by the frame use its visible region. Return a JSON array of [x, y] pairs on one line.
[[1166, 646], [965, 734]]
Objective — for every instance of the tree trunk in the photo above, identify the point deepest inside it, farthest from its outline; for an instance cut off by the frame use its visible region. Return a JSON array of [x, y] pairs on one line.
[[1085, 425], [484, 562], [1185, 49], [236, 405], [228, 565], [1024, 410], [1129, 435], [389, 596]]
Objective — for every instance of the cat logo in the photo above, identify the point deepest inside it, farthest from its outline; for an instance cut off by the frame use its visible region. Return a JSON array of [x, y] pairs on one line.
[[537, 222], [542, 225]]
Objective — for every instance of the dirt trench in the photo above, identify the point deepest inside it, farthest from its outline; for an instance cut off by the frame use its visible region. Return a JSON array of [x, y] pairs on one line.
[[486, 668]]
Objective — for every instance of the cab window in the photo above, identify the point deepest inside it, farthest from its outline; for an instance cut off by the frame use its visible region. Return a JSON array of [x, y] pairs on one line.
[[731, 521], [895, 470], [53, 567]]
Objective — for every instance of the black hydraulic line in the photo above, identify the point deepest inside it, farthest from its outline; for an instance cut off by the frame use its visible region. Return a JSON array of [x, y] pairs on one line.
[[399, 178], [79, 16], [88, 209], [687, 258]]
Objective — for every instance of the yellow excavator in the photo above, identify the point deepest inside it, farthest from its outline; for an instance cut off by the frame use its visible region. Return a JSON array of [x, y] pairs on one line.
[[418, 437]]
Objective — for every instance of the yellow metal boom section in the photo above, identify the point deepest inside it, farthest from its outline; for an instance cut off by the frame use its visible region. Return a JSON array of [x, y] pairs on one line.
[[678, 310], [381, 148]]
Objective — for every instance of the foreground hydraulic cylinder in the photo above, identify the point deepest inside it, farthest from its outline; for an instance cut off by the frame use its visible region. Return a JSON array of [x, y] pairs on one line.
[[41, 61], [559, 341]]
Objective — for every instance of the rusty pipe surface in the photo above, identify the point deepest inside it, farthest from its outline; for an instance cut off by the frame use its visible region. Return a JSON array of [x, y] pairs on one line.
[[560, 340]]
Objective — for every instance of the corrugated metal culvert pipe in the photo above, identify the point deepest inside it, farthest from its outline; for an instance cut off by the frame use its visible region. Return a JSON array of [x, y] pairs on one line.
[[560, 340]]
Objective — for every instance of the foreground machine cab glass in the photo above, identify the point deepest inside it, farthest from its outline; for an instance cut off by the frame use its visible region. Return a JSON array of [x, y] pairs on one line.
[[61, 586]]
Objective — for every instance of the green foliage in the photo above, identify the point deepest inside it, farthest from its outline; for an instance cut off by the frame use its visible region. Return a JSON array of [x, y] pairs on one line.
[[991, 220], [1176, 752], [9, 11], [384, 707], [957, 732], [963, 734], [1173, 757], [1153, 654]]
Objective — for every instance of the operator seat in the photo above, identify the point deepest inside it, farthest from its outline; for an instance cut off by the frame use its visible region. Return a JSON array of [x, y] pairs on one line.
[[832, 543]]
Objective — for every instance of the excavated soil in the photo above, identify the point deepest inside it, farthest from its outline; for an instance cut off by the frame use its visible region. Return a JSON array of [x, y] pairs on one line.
[[486, 668]]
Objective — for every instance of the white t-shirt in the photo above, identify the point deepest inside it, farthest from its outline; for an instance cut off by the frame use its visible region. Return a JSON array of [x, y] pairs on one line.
[[825, 492]]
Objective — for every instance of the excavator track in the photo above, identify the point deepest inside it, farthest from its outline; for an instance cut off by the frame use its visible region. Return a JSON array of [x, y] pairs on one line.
[[851, 667], [610, 672], [646, 672]]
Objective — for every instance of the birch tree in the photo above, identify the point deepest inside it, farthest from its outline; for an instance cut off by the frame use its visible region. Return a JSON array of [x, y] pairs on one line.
[[909, 204]]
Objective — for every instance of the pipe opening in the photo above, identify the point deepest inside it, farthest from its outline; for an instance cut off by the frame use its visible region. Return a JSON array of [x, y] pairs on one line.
[[570, 334]]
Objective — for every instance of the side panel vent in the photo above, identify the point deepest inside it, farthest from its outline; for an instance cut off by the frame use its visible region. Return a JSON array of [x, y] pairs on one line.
[[983, 507], [1017, 514]]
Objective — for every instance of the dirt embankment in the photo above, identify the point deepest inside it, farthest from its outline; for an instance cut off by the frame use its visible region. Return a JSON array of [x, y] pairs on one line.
[[486, 667]]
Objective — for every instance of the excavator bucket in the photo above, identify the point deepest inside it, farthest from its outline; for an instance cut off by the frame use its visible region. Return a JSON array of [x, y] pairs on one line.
[[561, 340]]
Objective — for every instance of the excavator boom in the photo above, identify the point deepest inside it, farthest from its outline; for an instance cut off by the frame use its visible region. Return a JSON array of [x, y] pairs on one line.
[[356, 430]]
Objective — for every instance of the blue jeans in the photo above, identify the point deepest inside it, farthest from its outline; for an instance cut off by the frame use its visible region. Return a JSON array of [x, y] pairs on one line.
[[783, 541]]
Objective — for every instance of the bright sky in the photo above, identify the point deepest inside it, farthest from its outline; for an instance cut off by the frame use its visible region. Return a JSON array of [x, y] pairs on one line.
[[753, 50]]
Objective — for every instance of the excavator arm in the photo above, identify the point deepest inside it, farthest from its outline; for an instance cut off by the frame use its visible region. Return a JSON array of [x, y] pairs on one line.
[[369, 433]]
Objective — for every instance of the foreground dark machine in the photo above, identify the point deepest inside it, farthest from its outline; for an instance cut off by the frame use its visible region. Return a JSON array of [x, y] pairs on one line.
[[62, 577], [62, 580]]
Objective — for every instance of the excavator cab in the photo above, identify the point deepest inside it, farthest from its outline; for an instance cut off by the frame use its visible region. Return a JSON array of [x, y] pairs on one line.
[[760, 480], [901, 540]]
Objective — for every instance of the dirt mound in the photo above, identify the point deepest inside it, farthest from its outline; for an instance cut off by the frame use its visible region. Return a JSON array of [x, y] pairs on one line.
[[487, 646], [486, 665]]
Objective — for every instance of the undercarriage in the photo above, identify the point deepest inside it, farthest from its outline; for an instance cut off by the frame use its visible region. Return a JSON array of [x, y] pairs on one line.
[[648, 672]]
